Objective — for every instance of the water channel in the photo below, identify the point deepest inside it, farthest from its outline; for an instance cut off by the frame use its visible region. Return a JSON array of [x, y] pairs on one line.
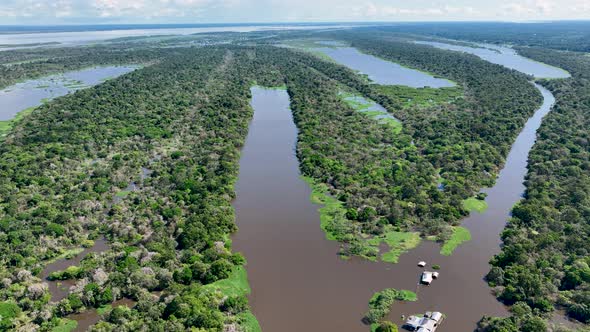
[[300, 284], [381, 71]]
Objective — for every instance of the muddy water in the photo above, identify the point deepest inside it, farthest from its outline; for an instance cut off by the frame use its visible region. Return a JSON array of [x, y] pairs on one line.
[[59, 289], [460, 292], [88, 318], [299, 283]]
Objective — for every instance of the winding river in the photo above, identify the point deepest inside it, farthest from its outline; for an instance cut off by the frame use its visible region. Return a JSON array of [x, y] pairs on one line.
[[299, 283]]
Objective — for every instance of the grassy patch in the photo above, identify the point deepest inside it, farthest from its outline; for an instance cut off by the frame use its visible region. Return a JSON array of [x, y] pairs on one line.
[[249, 322], [8, 311], [337, 227], [104, 309], [395, 125], [7, 125], [474, 204], [332, 213], [406, 295], [368, 108], [398, 242], [235, 285], [123, 193], [460, 235], [280, 87], [65, 325], [420, 97]]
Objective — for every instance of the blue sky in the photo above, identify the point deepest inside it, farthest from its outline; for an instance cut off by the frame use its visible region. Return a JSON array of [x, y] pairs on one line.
[[223, 11]]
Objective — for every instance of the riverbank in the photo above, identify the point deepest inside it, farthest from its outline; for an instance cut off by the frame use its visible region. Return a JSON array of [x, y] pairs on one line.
[[21, 99], [273, 201]]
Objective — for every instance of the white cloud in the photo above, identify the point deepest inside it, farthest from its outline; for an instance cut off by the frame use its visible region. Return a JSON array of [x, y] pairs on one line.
[[384, 12], [546, 9], [199, 11]]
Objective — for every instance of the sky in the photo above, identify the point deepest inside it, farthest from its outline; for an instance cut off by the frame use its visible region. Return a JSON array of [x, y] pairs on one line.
[[34, 12]]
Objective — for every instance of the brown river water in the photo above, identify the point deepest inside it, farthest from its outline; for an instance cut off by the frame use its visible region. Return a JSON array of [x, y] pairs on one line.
[[59, 289], [298, 281]]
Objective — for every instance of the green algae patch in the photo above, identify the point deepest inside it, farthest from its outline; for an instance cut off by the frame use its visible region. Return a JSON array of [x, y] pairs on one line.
[[460, 235], [372, 110], [473, 204], [398, 242], [248, 322], [65, 325]]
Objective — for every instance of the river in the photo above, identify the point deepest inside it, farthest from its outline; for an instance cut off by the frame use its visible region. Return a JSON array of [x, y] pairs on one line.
[[506, 57], [298, 281]]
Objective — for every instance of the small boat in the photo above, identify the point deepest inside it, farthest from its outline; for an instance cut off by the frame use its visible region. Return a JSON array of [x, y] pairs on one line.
[[422, 264]]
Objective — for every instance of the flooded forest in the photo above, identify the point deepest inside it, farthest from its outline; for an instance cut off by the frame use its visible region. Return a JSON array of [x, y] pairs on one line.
[[336, 179]]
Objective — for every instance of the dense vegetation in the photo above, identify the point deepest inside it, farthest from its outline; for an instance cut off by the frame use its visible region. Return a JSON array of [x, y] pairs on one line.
[[545, 258], [381, 302], [63, 165], [573, 36], [461, 142], [20, 65], [174, 128], [29, 63]]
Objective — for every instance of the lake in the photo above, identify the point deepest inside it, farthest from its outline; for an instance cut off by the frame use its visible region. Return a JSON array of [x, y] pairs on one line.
[[32, 93], [381, 71], [298, 281]]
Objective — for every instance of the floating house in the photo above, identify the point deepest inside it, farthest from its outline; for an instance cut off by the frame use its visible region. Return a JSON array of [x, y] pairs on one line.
[[427, 277], [427, 323]]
